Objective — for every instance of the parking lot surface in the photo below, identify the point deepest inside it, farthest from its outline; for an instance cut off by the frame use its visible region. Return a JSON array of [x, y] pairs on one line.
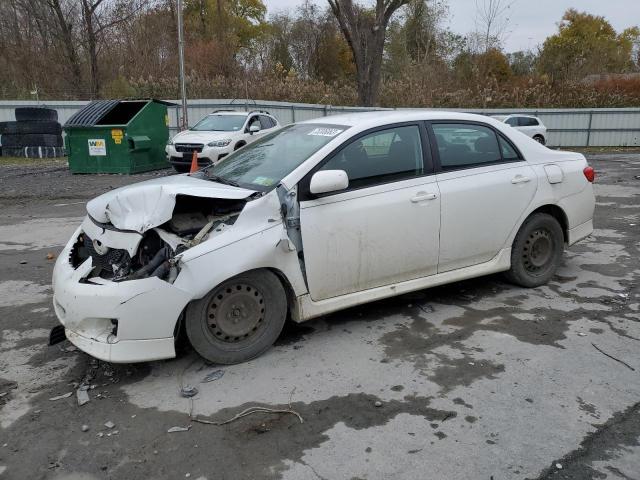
[[474, 380]]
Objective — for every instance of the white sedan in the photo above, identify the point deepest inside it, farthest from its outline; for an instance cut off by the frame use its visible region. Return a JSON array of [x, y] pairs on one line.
[[315, 217]]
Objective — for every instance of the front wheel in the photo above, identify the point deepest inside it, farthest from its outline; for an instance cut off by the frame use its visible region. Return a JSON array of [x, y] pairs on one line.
[[537, 251], [539, 139], [239, 319]]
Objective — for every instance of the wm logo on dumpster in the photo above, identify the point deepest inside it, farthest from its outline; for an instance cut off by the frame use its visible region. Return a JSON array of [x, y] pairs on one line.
[[97, 147]]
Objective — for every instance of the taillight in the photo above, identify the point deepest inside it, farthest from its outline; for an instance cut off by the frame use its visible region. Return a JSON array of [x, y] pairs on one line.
[[589, 173]]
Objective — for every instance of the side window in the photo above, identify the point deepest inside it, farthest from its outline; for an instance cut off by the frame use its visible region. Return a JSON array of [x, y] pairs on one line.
[[254, 120], [508, 152], [513, 121], [528, 122], [464, 145], [265, 122], [380, 157]]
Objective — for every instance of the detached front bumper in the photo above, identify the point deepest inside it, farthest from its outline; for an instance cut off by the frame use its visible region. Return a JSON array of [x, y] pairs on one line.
[[128, 321]]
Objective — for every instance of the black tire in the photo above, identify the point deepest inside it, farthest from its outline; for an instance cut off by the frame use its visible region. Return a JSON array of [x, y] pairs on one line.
[[537, 251], [540, 139], [239, 319], [181, 168], [36, 114], [3, 127], [32, 140], [21, 128], [238, 146], [13, 152]]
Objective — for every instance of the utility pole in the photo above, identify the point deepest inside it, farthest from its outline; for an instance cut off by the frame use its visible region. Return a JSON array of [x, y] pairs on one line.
[[183, 87]]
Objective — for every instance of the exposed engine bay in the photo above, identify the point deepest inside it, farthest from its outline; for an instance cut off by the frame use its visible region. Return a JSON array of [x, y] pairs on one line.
[[194, 220]]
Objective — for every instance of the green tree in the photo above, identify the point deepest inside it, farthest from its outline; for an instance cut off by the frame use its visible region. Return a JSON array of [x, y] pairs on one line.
[[586, 44]]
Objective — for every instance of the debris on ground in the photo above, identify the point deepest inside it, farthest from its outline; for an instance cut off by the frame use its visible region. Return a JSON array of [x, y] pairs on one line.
[[179, 429], [244, 413], [188, 391], [109, 424], [84, 428], [559, 466], [378, 403], [60, 397], [50, 256], [614, 358], [215, 375], [82, 395], [582, 334]]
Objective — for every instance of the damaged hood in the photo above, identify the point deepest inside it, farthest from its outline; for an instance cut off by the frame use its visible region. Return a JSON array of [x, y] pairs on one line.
[[142, 206]]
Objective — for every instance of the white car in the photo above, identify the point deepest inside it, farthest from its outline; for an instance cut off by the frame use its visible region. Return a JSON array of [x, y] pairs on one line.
[[527, 124], [316, 217], [217, 135]]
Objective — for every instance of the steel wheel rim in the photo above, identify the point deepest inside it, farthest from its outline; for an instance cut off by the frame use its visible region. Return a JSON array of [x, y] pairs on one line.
[[236, 313], [538, 251]]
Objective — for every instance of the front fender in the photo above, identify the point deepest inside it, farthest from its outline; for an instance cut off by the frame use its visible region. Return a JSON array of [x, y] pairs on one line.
[[268, 248]]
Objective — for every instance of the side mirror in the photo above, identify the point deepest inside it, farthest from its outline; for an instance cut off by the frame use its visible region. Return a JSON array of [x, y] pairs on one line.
[[254, 129], [326, 181]]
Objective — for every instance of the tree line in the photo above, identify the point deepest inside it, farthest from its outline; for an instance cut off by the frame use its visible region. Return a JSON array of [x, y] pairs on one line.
[[389, 53]]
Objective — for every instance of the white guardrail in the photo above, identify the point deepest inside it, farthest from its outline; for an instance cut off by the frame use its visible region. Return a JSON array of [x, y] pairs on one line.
[[599, 127]]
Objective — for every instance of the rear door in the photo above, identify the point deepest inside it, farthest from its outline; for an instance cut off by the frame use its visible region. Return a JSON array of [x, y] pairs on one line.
[[485, 187], [384, 228]]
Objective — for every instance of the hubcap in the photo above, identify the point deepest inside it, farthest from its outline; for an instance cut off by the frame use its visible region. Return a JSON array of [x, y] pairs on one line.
[[538, 250], [235, 313]]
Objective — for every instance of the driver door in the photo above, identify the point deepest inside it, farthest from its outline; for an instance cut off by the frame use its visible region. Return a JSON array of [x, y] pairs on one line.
[[384, 228]]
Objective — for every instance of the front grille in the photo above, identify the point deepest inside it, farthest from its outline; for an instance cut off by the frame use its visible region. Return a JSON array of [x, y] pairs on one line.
[[188, 147]]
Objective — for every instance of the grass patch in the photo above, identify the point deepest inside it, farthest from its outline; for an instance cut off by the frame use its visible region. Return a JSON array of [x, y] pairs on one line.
[[32, 161]]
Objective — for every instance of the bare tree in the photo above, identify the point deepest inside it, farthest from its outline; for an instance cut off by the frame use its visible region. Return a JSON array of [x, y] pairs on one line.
[[64, 17], [365, 30], [492, 21], [98, 17]]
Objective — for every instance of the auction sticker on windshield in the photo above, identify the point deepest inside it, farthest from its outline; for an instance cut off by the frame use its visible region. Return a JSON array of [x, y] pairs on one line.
[[325, 132]]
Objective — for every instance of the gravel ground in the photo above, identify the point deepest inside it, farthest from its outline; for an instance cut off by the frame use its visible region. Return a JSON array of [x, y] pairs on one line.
[[474, 380]]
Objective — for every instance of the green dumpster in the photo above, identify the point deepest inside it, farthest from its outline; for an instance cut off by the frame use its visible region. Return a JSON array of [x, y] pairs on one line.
[[118, 136]]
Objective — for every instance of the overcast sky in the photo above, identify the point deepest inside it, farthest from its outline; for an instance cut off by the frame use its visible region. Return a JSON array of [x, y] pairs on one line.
[[530, 21]]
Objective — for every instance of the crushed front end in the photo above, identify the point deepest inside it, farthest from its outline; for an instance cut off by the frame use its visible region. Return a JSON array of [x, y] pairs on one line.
[[114, 289]]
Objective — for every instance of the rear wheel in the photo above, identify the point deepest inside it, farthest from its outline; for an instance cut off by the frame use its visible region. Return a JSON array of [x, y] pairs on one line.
[[539, 139], [239, 319], [537, 251]]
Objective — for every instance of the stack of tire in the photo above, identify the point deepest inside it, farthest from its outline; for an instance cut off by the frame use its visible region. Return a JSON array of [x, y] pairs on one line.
[[36, 133]]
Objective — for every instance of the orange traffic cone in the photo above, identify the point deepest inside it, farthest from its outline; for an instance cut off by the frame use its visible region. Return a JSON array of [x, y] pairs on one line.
[[194, 162]]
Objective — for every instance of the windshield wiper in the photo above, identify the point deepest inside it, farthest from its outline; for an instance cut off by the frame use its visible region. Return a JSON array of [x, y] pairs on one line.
[[226, 181]]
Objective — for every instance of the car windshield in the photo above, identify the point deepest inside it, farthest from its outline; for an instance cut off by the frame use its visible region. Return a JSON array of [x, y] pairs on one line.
[[220, 123], [262, 164]]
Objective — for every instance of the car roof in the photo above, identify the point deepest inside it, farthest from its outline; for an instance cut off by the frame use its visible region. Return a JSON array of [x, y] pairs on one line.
[[230, 112], [382, 117], [515, 115]]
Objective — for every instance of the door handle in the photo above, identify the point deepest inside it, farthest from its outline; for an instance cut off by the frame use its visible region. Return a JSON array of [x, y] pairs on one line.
[[520, 179], [422, 196]]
